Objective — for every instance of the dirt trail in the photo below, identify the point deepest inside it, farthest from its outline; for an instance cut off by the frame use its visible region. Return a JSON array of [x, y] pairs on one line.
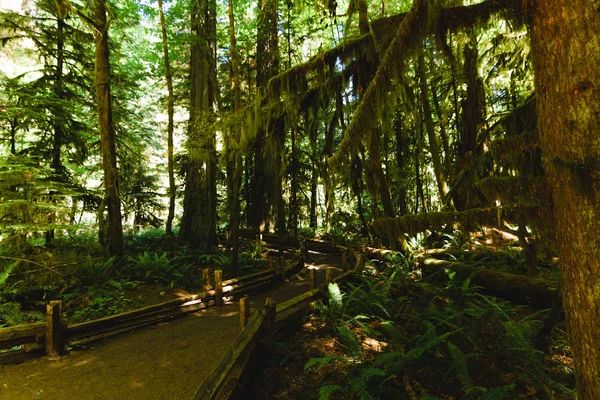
[[167, 361]]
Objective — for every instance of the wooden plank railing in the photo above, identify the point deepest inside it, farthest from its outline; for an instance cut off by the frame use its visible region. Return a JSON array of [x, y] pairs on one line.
[[230, 375], [226, 377], [32, 337]]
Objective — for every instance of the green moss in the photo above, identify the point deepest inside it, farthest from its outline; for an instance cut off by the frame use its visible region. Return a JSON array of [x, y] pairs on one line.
[[514, 190], [468, 220]]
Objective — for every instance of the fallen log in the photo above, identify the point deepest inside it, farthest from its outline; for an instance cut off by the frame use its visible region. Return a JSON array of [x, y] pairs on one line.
[[521, 289]]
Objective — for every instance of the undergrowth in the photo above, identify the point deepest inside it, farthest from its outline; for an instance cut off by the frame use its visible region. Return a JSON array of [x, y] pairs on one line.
[[394, 338], [73, 268]]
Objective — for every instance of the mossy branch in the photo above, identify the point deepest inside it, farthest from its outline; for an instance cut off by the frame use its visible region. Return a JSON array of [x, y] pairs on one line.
[[467, 220], [411, 31], [515, 190]]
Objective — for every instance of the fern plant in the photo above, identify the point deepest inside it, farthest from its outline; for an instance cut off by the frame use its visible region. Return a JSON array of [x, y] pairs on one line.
[[460, 368]]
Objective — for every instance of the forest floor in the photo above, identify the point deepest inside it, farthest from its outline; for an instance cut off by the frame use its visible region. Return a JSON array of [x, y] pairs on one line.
[[390, 338], [165, 361]]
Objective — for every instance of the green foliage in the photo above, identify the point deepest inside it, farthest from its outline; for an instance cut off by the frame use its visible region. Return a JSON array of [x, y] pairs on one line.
[[326, 390], [349, 340], [101, 301], [319, 362], [93, 272], [6, 273], [305, 232], [443, 334], [159, 268], [335, 296]]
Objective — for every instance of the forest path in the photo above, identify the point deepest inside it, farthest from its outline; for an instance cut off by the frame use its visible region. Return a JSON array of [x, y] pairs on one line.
[[167, 361]]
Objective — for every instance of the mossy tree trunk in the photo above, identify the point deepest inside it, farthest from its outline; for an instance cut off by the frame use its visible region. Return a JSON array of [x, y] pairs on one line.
[[566, 53], [402, 150], [263, 205], [473, 118], [199, 202], [436, 156], [236, 165], [107, 133], [170, 124], [293, 207]]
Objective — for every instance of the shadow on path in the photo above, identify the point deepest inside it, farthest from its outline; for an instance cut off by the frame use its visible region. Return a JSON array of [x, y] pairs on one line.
[[167, 361]]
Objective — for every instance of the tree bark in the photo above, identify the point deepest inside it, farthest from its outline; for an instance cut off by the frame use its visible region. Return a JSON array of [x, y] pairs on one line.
[[170, 112], [199, 202], [107, 133], [237, 163], [263, 203], [566, 54], [436, 157]]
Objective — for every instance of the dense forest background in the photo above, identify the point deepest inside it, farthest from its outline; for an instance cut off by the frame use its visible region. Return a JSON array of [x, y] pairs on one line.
[[358, 121]]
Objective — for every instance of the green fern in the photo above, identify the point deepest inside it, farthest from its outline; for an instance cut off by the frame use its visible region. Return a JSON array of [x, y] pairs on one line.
[[360, 387], [371, 372], [319, 362], [460, 368], [335, 295], [497, 393], [6, 273], [349, 340], [326, 390]]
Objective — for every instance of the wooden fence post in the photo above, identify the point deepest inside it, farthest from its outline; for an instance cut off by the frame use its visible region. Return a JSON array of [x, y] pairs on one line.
[[244, 311], [53, 328], [305, 249], [282, 266], [360, 264], [313, 278], [327, 276], [206, 278], [218, 287], [349, 252], [270, 315], [344, 262]]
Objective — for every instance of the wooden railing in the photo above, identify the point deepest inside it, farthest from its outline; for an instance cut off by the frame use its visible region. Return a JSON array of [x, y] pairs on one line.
[[229, 376], [49, 337]]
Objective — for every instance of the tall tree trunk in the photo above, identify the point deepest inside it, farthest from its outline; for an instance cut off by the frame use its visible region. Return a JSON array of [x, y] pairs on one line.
[[363, 17], [107, 132], [313, 192], [293, 208], [262, 204], [443, 133], [438, 167], [199, 202], [379, 175], [566, 53], [402, 153], [58, 138], [170, 112], [418, 180], [237, 163], [356, 172], [59, 134]]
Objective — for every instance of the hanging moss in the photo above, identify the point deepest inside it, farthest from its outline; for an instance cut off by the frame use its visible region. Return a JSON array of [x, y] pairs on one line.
[[410, 32], [515, 190], [527, 142]]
